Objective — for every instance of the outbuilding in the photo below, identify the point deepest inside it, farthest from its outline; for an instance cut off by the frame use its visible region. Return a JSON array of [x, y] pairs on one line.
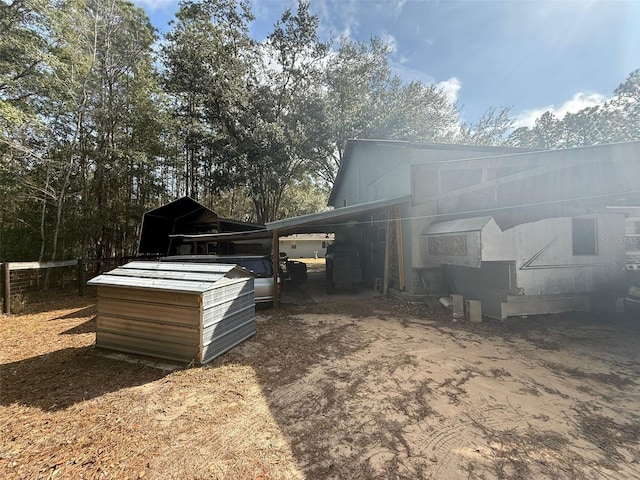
[[184, 312], [524, 232]]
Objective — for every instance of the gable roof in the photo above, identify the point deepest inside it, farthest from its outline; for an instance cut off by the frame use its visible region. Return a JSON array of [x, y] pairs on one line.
[[183, 216], [174, 277]]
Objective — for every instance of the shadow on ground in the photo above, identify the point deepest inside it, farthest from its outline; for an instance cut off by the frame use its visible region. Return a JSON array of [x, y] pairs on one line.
[[77, 374]]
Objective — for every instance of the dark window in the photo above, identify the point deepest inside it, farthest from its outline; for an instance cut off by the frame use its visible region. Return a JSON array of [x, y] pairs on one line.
[[584, 236]]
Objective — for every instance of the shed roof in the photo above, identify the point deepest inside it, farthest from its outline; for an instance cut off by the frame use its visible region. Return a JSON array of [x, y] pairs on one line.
[[183, 216], [458, 226], [177, 277], [322, 222], [326, 222]]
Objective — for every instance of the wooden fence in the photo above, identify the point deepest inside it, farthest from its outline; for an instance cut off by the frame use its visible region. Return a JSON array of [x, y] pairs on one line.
[[19, 278]]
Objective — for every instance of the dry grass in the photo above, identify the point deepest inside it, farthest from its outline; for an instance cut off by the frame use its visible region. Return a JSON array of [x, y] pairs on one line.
[[361, 389], [66, 412]]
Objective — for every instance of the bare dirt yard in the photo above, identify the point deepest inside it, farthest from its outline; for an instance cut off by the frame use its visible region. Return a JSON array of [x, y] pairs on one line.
[[348, 387]]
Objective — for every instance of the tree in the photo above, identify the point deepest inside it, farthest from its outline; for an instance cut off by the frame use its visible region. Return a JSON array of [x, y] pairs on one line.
[[617, 120], [491, 129], [582, 128], [206, 59], [29, 58], [357, 78], [281, 127], [364, 99], [625, 108], [304, 196]]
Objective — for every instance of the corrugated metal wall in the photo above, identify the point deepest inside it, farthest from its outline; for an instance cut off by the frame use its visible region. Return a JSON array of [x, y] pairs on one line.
[[189, 313]]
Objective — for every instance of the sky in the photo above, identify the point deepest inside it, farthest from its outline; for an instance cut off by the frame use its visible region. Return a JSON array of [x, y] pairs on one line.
[[529, 55]]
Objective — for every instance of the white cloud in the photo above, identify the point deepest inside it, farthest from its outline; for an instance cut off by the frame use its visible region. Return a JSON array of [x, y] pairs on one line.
[[450, 88], [579, 101], [390, 41], [399, 4]]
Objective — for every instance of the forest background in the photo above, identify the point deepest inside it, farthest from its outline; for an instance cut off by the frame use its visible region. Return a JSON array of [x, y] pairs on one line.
[[101, 119]]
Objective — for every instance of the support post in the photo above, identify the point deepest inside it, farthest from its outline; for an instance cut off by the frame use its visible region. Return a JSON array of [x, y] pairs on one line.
[[387, 254], [81, 277], [400, 248], [275, 249], [6, 277]]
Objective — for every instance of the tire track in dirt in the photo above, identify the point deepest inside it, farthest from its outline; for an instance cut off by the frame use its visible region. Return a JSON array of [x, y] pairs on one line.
[[454, 434]]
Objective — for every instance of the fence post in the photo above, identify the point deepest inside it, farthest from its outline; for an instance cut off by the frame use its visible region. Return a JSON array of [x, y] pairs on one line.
[[81, 277], [6, 308]]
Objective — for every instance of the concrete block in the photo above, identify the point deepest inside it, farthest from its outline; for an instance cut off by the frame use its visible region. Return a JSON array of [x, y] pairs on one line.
[[457, 304], [474, 311]]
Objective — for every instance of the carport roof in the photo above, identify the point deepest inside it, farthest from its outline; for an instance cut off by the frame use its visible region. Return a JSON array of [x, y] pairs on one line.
[[322, 222], [326, 222]]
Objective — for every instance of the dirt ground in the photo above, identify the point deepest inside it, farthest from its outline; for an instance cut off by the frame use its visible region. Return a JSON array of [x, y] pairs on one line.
[[347, 387]]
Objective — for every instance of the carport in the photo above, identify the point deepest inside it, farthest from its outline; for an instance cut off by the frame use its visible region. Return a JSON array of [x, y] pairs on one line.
[[329, 221], [162, 226]]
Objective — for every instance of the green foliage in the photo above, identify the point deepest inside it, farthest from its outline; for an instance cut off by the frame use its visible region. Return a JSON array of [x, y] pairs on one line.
[[206, 60], [284, 117], [364, 99], [491, 129], [617, 120], [99, 123]]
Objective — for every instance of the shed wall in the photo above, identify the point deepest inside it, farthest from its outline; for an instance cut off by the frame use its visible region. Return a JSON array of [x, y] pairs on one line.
[[178, 326]]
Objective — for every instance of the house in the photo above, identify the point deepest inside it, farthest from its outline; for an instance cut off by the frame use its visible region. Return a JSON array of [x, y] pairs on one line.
[[523, 231], [306, 245]]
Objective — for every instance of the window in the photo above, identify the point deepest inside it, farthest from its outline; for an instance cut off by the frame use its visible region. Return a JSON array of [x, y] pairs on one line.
[[584, 236], [293, 246]]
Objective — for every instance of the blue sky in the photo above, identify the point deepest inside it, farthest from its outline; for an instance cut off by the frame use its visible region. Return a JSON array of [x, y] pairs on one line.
[[559, 55]]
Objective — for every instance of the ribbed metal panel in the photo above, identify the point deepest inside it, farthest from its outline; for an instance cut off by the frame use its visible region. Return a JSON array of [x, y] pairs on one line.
[[149, 309], [227, 324], [220, 343], [231, 290], [179, 277], [148, 347]]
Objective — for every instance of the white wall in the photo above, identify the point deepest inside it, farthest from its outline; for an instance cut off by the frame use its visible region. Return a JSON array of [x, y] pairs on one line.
[[304, 248], [543, 252], [382, 170]]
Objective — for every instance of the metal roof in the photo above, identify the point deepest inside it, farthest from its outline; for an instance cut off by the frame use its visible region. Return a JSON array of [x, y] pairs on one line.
[[458, 226], [225, 237], [323, 222], [326, 222], [183, 216], [178, 277]]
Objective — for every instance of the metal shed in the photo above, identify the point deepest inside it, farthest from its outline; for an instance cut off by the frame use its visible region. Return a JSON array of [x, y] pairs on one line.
[[176, 311]]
